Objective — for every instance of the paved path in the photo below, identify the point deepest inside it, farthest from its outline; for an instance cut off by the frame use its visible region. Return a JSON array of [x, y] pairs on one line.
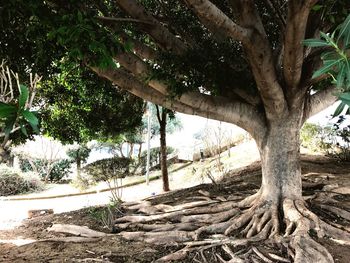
[[12, 213]]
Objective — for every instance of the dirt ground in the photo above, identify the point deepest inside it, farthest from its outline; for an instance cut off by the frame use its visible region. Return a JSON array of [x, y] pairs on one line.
[[320, 174]]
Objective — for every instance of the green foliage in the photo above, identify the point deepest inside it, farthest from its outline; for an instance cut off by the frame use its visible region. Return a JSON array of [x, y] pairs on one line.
[[107, 169], [13, 181], [336, 60], [172, 124], [12, 114], [60, 169], [79, 152], [154, 156], [331, 140], [81, 107], [84, 39], [106, 215], [310, 136], [48, 30]]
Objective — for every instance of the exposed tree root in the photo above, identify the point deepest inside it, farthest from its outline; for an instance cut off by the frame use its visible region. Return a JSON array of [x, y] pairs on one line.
[[76, 230], [210, 226]]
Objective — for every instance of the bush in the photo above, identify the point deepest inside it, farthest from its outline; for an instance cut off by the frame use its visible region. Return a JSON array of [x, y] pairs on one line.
[[332, 141], [154, 156], [13, 181], [59, 170], [105, 169], [83, 182], [111, 171]]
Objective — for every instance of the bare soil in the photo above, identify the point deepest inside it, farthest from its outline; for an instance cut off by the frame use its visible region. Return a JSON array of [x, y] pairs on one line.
[[321, 174]]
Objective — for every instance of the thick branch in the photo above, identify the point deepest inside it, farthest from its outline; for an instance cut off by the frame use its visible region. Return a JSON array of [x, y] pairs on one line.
[[165, 39], [139, 48], [194, 103], [260, 57], [210, 13], [320, 101], [298, 13]]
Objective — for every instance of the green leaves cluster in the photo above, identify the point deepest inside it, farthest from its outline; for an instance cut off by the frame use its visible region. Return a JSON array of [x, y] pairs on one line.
[[12, 114], [84, 40], [336, 60]]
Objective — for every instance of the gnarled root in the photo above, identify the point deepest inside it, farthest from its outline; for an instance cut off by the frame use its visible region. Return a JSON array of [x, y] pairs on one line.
[[207, 228]]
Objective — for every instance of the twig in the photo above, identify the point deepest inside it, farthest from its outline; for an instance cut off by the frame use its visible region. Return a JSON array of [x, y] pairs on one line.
[[122, 20]]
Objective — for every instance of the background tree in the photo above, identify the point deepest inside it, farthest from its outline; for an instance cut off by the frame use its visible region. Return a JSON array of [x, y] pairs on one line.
[[241, 62], [167, 123], [78, 108]]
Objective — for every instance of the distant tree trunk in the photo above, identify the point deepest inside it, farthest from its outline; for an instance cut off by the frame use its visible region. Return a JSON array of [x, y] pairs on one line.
[[4, 155], [163, 152], [78, 166], [131, 149], [139, 154]]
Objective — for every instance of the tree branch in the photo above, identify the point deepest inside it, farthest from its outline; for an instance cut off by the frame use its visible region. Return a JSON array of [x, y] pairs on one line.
[[123, 20], [165, 39], [141, 49], [320, 101], [210, 13], [202, 105], [298, 13], [277, 13], [261, 59]]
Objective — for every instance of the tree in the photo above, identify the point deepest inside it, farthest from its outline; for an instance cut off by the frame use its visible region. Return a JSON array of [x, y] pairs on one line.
[[241, 62], [74, 110], [78, 153], [167, 123]]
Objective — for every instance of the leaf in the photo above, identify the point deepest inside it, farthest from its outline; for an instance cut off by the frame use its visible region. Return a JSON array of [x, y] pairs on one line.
[[317, 7], [7, 110], [80, 17], [23, 96], [341, 76], [345, 97], [314, 42], [344, 28], [24, 130], [326, 68], [30, 117], [326, 37], [339, 109]]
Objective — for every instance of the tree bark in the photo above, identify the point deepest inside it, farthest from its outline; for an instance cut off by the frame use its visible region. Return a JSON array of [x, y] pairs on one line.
[[4, 155], [78, 167], [280, 160], [163, 153]]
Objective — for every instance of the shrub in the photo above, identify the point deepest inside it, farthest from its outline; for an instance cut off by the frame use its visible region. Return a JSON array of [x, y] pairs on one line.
[[13, 181], [59, 169], [333, 141], [83, 182], [154, 156], [111, 171]]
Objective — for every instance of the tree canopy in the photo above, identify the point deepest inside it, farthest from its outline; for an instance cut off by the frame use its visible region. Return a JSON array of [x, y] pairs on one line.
[[238, 61], [78, 107]]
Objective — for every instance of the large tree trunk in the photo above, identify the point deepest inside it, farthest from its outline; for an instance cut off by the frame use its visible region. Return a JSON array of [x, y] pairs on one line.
[[280, 160], [163, 153]]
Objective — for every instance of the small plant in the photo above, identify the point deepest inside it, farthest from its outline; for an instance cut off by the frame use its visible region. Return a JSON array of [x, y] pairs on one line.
[[106, 215], [13, 181], [111, 171]]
